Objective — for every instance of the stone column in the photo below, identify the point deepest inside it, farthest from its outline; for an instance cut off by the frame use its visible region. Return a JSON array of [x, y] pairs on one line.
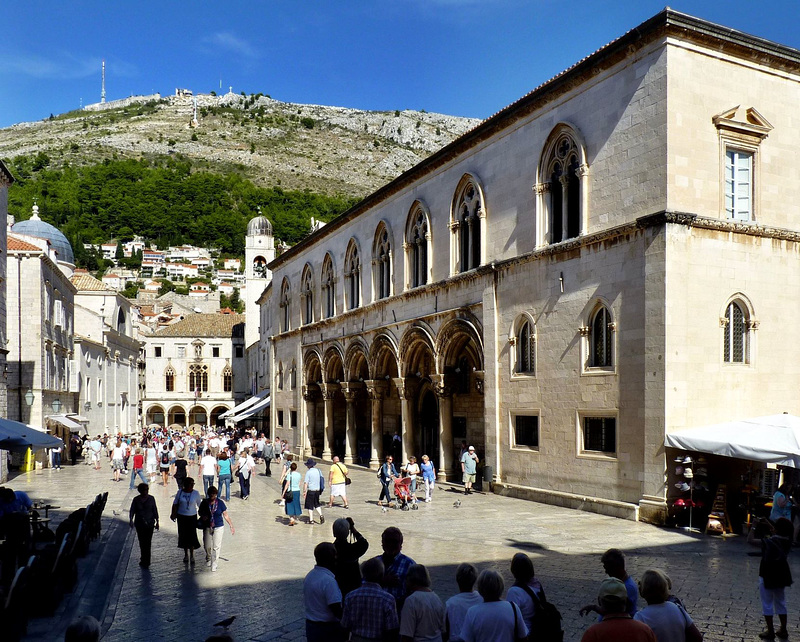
[[564, 180], [376, 389], [328, 393], [444, 467], [310, 394], [350, 392], [406, 389]]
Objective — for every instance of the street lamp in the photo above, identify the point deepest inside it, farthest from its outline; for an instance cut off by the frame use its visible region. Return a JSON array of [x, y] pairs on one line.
[[56, 405], [29, 397]]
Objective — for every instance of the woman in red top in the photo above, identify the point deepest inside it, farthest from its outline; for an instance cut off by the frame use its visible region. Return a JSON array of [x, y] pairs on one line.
[[138, 467]]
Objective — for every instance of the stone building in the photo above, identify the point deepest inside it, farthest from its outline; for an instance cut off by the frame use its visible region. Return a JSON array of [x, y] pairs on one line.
[[106, 357], [259, 251], [195, 370], [40, 327], [605, 261]]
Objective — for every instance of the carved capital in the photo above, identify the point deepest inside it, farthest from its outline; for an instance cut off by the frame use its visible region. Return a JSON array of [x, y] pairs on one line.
[[329, 390], [583, 170], [376, 389], [584, 330], [723, 322], [310, 392], [454, 225], [405, 388], [512, 340], [541, 188], [752, 324], [612, 327]]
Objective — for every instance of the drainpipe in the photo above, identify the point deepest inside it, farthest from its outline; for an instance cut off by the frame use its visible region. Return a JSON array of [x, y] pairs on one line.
[[498, 470]]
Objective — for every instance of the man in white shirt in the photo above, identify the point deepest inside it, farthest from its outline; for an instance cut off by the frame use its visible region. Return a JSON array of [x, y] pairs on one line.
[[322, 599], [96, 446], [458, 605], [208, 468]]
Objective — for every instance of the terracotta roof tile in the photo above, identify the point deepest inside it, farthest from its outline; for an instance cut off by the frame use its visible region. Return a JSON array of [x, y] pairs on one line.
[[15, 244], [206, 325], [85, 282]]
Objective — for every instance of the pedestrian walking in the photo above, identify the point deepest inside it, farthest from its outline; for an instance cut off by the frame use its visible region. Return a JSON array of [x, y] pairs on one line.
[[138, 467], [469, 469], [151, 462], [291, 494], [268, 454], [313, 485], [386, 474], [184, 511], [337, 479], [244, 469], [117, 454], [213, 514], [428, 476], [224, 474], [774, 574], [350, 546], [208, 468], [96, 446], [163, 463], [181, 468], [284, 472], [322, 599], [143, 516], [74, 446], [412, 471]]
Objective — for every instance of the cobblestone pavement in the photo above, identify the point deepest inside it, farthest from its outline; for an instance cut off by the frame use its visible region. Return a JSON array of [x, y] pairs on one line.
[[260, 574]]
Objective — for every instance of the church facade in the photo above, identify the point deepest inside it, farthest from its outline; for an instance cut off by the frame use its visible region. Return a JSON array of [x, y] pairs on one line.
[[611, 258]]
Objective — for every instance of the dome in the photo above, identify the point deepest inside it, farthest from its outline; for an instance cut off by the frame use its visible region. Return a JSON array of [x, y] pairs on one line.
[[259, 226], [35, 226]]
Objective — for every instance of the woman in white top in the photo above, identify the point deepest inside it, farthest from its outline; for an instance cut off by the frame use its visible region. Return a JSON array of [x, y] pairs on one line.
[[412, 470], [151, 462], [184, 510], [117, 455]]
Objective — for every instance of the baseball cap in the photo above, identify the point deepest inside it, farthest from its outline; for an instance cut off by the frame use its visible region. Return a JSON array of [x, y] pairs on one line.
[[472, 448], [613, 588]]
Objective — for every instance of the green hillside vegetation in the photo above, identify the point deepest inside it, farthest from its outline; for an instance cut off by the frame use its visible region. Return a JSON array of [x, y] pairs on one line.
[[164, 201]]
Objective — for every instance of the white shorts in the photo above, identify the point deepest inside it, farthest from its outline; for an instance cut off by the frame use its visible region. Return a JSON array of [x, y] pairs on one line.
[[95, 456], [339, 490]]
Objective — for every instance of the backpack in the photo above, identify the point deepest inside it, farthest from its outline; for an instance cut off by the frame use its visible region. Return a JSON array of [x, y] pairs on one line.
[[165, 457], [546, 625]]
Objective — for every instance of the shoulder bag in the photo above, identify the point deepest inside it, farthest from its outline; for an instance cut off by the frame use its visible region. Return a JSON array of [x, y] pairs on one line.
[[347, 480], [288, 494]]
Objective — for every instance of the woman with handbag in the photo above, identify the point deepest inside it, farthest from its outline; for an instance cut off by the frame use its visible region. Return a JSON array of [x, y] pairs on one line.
[[291, 494], [386, 474], [213, 514], [428, 476], [184, 510]]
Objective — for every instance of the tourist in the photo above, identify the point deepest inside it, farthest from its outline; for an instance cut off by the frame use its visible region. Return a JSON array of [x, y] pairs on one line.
[[494, 620], [613, 561], [469, 469], [291, 494], [669, 621], [412, 471], [322, 599], [369, 611], [781, 504], [350, 546], [337, 478], [224, 474], [423, 616], [138, 467], [74, 447], [96, 446], [268, 454], [386, 474], [181, 468], [526, 591], [313, 484], [163, 463], [428, 476], [143, 516], [208, 468], [184, 510], [774, 574], [457, 606], [213, 513], [395, 563], [617, 624], [284, 472], [151, 462], [56, 455], [117, 454], [244, 469]]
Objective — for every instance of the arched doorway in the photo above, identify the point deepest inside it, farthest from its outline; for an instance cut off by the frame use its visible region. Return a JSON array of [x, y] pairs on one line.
[[337, 412], [215, 413], [155, 415], [177, 415], [198, 415], [315, 409], [428, 421]]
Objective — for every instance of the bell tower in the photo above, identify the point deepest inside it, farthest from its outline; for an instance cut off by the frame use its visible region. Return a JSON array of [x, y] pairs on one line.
[[259, 250]]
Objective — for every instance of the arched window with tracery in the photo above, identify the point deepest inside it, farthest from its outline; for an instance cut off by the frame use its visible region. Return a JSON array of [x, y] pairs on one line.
[[736, 338], [307, 295], [468, 214], [284, 303], [328, 288], [227, 379], [198, 378], [382, 263], [601, 344], [279, 375], [352, 276], [562, 174], [169, 379], [526, 349], [121, 321], [417, 239]]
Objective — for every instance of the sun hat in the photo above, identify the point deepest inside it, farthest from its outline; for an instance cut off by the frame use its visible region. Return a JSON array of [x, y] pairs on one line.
[[613, 588], [310, 463]]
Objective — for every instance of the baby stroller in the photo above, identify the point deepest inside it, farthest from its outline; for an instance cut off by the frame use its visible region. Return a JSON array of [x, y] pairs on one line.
[[402, 493]]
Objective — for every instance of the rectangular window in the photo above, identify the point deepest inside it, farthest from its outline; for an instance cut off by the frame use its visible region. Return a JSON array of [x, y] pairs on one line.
[[99, 391], [215, 351], [280, 417], [157, 350], [293, 418], [238, 351], [526, 431], [739, 185], [88, 390], [600, 435], [181, 352]]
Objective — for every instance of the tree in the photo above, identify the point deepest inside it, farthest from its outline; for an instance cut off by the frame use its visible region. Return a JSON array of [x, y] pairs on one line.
[[119, 253], [166, 286]]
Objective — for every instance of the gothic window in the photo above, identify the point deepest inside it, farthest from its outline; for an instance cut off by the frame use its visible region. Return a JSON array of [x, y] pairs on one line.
[[564, 186], [280, 376], [307, 295], [198, 378], [328, 291], [600, 339], [284, 305], [417, 248], [169, 380], [526, 349], [227, 379], [381, 262], [736, 326], [121, 321], [467, 223], [352, 276]]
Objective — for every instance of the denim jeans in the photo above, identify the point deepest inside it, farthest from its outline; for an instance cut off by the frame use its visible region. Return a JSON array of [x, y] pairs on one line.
[[208, 480], [244, 485], [56, 459], [140, 472], [225, 482]]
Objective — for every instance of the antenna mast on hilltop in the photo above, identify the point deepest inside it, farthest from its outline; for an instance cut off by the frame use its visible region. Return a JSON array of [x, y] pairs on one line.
[[103, 85]]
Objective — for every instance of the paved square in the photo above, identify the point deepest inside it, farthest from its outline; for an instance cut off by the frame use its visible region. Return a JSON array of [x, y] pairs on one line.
[[262, 566]]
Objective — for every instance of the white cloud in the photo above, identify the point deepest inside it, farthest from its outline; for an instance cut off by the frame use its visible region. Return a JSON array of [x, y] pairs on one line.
[[65, 67], [229, 42]]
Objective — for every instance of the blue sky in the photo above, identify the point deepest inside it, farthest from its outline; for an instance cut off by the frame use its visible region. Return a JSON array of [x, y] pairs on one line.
[[460, 57]]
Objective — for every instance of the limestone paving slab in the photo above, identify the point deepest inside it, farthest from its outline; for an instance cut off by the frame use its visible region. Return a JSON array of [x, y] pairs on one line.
[[262, 566]]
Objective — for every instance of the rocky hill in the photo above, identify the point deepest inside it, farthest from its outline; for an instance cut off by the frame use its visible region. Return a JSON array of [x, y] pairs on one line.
[[328, 150]]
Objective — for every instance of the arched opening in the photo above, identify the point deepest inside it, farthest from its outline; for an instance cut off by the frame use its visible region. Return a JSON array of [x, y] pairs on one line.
[[357, 372], [198, 415], [315, 408], [215, 413], [337, 415], [428, 422], [259, 267], [176, 415], [155, 415]]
